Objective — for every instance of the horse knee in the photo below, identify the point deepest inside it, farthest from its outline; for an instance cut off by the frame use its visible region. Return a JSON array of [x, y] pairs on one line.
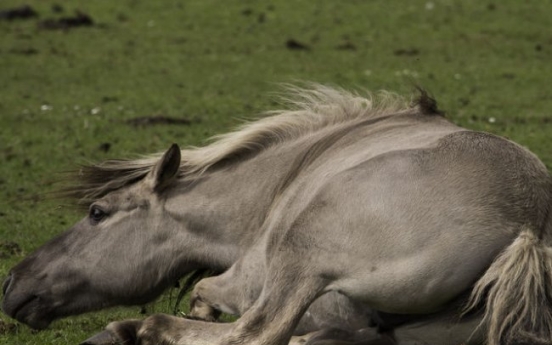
[[200, 307], [200, 310]]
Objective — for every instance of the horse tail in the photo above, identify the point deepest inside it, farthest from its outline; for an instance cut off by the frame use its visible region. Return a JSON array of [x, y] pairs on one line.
[[517, 291]]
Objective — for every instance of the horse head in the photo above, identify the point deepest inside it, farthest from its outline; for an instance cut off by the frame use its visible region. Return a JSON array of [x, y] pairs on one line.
[[121, 253]]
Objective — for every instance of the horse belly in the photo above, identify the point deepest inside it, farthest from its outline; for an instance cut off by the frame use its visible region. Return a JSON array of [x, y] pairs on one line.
[[406, 286]]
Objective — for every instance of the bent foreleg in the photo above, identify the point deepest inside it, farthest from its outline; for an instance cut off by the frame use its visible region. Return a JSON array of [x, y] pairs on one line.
[[214, 295], [160, 329]]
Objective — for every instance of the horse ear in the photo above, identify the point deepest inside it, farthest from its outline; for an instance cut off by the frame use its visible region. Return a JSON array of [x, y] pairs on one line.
[[166, 170]]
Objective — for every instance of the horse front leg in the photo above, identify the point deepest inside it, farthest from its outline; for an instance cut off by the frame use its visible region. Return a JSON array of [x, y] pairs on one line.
[[232, 292], [200, 310], [289, 289], [181, 332], [160, 329], [214, 295]]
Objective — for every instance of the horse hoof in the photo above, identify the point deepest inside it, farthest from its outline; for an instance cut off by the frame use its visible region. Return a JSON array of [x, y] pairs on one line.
[[103, 338]]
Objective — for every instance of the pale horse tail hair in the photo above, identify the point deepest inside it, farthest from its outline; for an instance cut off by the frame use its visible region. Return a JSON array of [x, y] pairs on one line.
[[517, 291]]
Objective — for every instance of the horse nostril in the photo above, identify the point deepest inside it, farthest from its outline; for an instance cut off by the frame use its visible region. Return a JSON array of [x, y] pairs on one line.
[[6, 284]]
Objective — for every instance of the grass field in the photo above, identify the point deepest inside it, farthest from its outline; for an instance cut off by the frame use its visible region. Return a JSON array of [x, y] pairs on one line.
[[83, 90]]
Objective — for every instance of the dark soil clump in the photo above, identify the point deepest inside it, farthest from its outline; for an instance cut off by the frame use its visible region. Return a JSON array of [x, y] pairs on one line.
[[157, 120], [22, 12], [7, 327], [9, 248], [80, 19], [293, 44]]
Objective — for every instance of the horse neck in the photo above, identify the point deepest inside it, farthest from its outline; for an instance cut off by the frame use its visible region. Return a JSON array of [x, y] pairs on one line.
[[226, 208]]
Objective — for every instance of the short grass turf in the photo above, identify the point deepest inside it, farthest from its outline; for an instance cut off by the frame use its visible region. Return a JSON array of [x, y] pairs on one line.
[[78, 92]]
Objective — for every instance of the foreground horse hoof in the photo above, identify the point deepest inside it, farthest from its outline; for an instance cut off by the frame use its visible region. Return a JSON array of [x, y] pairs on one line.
[[117, 333], [103, 338]]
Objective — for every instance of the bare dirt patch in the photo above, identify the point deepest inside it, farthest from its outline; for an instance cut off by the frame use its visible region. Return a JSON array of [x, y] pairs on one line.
[[16, 13], [157, 120], [9, 248], [80, 19], [7, 327]]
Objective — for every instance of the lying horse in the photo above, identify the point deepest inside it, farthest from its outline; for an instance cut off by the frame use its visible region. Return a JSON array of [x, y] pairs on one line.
[[383, 204]]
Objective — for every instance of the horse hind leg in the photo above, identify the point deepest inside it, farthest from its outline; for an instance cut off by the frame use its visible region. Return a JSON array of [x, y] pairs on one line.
[[442, 332], [414, 334], [334, 336], [446, 327], [334, 310]]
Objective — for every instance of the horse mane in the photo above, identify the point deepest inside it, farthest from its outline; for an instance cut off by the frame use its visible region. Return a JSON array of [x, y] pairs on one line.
[[307, 110]]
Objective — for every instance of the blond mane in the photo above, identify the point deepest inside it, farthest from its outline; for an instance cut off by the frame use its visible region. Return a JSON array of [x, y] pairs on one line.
[[307, 110]]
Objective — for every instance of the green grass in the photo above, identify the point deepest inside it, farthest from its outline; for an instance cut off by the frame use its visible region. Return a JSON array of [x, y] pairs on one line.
[[64, 93]]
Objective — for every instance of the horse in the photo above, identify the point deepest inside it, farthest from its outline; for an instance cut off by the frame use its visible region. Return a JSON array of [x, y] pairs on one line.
[[443, 235]]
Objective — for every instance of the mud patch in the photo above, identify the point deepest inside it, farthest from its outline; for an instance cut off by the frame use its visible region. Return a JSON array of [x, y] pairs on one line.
[[24, 51], [80, 19], [57, 8], [9, 249], [104, 147], [406, 52], [347, 46], [7, 327], [293, 44], [157, 120], [22, 12]]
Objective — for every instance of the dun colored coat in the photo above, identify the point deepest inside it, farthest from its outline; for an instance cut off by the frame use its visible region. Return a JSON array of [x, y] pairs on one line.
[[423, 231]]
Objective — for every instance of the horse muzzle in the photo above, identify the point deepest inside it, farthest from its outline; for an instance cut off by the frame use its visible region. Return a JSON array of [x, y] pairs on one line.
[[24, 306]]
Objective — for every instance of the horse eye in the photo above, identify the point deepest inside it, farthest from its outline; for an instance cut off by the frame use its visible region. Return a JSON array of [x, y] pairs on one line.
[[97, 214]]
